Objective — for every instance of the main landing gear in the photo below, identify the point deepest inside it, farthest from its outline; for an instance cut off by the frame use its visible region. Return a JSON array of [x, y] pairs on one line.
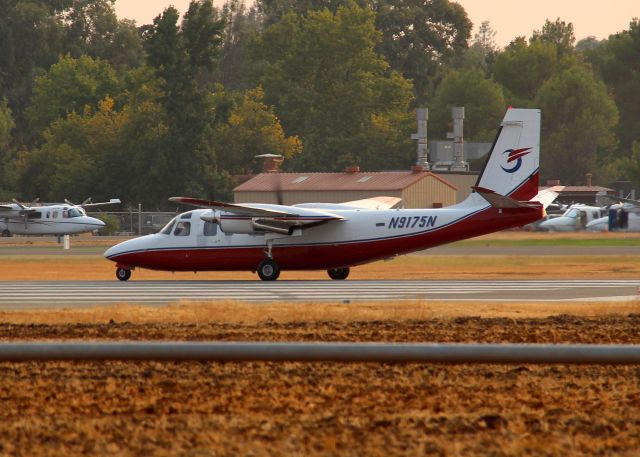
[[268, 270], [123, 274], [338, 273]]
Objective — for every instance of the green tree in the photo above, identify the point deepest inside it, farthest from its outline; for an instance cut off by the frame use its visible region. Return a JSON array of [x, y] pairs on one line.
[[482, 99], [234, 63], [181, 56], [482, 52], [558, 33], [67, 164], [272, 11], [7, 124], [523, 68], [578, 125], [421, 38], [32, 38], [252, 129], [93, 29], [616, 61], [324, 78], [69, 86]]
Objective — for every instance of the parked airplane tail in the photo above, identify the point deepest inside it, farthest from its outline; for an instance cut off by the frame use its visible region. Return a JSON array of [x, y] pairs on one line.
[[512, 167]]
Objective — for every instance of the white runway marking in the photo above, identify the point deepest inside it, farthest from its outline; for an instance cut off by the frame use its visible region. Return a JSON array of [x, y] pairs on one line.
[[50, 294]]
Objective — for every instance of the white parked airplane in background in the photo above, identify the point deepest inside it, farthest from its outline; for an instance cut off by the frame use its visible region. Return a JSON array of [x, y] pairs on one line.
[[576, 217], [55, 219], [334, 237], [621, 217]]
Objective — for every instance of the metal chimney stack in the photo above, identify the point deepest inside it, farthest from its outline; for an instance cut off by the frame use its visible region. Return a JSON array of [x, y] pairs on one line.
[[422, 115], [459, 164]]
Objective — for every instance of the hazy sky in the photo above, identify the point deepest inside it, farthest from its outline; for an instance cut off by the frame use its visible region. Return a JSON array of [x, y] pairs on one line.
[[507, 17]]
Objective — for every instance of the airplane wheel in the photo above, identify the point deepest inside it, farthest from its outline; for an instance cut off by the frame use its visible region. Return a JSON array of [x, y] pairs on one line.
[[123, 274], [6, 233], [338, 273], [268, 270]]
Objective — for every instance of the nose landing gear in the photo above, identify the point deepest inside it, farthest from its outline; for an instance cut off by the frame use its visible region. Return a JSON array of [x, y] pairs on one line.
[[338, 273], [123, 274]]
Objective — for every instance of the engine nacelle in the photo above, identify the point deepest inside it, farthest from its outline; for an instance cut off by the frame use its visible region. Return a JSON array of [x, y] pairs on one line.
[[237, 225], [254, 225]]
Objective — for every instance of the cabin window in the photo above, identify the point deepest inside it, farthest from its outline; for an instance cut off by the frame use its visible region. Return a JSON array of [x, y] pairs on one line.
[[182, 229], [34, 215], [55, 214], [169, 227], [48, 214], [210, 228], [186, 215]]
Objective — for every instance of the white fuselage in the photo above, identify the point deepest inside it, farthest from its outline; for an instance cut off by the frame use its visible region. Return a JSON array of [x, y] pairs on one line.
[[576, 217], [48, 220], [189, 243], [620, 218]]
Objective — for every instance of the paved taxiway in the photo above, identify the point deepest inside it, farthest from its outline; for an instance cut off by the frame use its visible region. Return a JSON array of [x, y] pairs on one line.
[[42, 295]]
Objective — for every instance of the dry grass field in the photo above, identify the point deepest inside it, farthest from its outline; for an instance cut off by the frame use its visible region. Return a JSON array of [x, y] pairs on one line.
[[57, 265], [86, 268], [325, 409]]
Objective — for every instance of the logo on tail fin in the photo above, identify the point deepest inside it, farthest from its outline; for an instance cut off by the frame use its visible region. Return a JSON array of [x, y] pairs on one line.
[[515, 154]]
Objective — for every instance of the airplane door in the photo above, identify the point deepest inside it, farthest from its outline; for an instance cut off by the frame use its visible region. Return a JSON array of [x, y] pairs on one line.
[[209, 234], [581, 220]]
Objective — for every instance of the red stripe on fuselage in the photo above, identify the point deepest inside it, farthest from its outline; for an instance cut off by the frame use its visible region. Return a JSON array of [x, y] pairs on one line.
[[327, 255]]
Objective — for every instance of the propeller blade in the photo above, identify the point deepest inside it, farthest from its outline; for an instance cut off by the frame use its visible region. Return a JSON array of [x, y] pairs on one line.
[[18, 203]]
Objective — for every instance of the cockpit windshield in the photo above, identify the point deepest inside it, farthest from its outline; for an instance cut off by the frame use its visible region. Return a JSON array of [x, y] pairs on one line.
[[166, 230], [72, 212], [572, 213]]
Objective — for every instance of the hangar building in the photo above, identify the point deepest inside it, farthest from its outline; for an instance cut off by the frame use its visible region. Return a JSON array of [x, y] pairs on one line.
[[416, 187]]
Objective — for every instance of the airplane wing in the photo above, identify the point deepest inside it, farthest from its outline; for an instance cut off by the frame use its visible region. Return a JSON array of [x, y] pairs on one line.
[[272, 218], [629, 201], [381, 202], [112, 201], [15, 209], [500, 201], [240, 209]]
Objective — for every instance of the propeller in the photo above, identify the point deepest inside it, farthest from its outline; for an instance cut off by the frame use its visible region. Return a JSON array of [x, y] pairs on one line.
[[276, 185], [18, 203]]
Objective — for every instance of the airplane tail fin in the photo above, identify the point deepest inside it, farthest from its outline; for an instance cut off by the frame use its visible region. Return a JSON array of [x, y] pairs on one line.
[[513, 165]]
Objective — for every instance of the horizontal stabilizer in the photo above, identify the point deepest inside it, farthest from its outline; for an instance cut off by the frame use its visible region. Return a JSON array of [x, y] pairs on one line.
[[546, 197], [500, 201]]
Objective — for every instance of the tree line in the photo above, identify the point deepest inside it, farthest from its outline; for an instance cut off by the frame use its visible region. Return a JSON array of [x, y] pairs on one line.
[[95, 106]]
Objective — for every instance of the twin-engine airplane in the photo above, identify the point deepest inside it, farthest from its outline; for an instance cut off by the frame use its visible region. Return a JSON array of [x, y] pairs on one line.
[[312, 236], [58, 219]]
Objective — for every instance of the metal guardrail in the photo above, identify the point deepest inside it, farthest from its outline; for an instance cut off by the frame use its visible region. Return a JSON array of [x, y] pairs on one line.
[[326, 352]]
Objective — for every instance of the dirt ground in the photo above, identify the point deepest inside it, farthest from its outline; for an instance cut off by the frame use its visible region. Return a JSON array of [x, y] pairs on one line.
[[325, 409], [212, 409]]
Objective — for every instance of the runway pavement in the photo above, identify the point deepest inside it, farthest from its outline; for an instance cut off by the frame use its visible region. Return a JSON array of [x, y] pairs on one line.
[[43, 295]]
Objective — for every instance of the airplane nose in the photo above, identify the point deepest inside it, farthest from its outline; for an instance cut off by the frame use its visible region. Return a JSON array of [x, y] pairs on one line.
[[113, 250]]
